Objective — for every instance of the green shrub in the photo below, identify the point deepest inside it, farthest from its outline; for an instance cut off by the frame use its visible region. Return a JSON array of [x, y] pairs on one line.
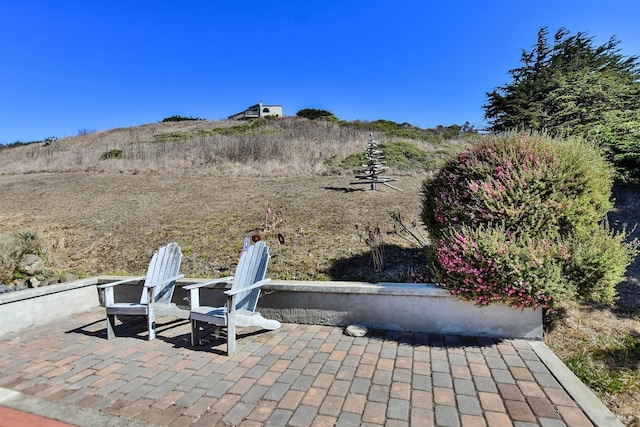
[[179, 119], [595, 266], [404, 155], [353, 162], [172, 137], [398, 155], [114, 153], [518, 219], [252, 126], [50, 140], [382, 125], [314, 113], [405, 130]]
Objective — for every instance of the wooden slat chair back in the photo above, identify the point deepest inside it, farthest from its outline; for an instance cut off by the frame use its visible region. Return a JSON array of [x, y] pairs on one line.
[[252, 268], [157, 291], [164, 263], [242, 298]]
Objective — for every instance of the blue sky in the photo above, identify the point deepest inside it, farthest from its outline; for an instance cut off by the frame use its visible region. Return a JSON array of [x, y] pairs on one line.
[[74, 65]]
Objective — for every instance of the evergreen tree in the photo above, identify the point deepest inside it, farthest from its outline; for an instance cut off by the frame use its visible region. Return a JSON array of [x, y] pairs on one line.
[[573, 87]]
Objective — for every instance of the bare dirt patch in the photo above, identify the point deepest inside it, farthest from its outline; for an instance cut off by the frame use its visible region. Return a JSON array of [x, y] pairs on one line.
[[111, 223]]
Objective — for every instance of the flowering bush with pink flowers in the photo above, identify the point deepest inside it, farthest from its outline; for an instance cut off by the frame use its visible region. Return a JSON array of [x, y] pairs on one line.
[[528, 182], [518, 219], [486, 264]]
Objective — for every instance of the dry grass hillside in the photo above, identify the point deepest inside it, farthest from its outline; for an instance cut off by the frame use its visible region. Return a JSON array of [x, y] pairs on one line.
[[207, 185], [286, 147]]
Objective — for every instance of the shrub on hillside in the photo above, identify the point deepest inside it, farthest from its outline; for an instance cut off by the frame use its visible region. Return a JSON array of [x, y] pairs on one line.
[[179, 119], [408, 131], [114, 153], [50, 140], [404, 155], [518, 219], [398, 155], [314, 113]]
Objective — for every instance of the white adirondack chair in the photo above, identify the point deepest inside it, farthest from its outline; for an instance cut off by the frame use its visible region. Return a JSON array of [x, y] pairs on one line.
[[157, 291], [242, 298]]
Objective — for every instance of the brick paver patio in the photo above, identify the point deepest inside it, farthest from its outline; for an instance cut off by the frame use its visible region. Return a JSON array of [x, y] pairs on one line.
[[299, 375]]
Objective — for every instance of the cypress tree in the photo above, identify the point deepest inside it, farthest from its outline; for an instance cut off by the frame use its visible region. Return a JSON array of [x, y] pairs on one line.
[[573, 87]]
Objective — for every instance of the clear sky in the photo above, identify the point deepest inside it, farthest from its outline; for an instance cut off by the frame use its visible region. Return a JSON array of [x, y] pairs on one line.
[[74, 65]]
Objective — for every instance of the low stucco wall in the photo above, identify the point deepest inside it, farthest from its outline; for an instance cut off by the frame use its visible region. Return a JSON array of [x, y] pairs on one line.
[[33, 307], [423, 308]]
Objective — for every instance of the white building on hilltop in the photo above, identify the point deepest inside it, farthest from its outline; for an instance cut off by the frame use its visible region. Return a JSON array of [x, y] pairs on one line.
[[257, 111]]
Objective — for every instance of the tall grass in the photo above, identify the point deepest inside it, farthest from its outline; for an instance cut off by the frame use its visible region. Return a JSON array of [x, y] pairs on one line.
[[284, 147]]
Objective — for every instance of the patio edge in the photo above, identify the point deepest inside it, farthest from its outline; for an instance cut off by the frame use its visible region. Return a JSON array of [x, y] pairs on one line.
[[593, 407]]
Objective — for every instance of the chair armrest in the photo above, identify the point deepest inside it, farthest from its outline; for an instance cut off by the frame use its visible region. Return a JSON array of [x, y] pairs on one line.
[[212, 282], [120, 282], [247, 288], [162, 282]]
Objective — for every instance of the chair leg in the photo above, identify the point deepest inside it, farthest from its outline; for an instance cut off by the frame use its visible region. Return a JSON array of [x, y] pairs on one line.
[[111, 324], [151, 325], [195, 333], [231, 336], [231, 325]]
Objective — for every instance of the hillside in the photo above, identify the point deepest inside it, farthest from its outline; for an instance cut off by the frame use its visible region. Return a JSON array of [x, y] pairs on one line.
[[289, 146]]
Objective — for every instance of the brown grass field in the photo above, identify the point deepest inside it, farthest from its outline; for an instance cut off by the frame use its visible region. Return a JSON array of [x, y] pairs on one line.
[[207, 191]]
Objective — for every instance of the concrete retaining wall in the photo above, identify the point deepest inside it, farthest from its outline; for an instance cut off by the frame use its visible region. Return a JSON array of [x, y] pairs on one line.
[[34, 307], [393, 306], [422, 308]]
